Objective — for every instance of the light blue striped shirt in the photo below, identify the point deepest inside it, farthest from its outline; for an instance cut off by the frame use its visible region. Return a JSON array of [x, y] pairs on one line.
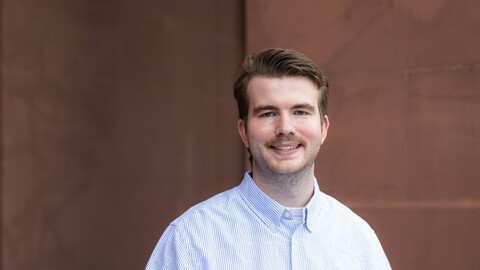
[[243, 228]]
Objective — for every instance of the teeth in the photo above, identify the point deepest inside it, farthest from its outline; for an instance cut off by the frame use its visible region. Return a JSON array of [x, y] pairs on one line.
[[285, 148]]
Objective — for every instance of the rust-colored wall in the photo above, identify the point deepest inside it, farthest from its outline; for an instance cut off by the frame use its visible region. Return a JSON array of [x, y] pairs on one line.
[[403, 148], [116, 117]]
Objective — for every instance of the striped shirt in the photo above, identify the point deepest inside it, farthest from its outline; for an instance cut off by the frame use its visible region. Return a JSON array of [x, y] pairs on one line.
[[243, 228]]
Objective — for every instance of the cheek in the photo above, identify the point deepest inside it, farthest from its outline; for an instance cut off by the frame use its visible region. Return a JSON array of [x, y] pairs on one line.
[[258, 134], [314, 133], [254, 135]]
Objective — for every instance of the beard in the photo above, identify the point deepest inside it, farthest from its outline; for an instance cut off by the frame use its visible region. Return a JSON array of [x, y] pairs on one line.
[[284, 175]]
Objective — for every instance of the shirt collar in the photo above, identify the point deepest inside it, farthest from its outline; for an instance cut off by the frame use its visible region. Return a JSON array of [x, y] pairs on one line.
[[269, 210], [313, 207]]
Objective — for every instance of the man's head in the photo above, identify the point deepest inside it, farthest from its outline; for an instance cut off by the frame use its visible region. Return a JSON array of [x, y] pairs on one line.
[[277, 63], [282, 100]]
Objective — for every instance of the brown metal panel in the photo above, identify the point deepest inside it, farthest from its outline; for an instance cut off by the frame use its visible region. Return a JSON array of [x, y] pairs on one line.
[[428, 236], [404, 113], [364, 157], [371, 35], [403, 136], [444, 132], [118, 116], [58, 81]]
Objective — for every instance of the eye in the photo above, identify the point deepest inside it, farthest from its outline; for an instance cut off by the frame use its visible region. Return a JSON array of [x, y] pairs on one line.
[[267, 114], [300, 113]]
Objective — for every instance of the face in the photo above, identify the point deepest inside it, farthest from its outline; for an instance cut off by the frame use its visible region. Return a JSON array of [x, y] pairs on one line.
[[284, 129]]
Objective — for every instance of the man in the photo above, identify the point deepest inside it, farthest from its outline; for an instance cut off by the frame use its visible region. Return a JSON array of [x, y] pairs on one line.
[[277, 218]]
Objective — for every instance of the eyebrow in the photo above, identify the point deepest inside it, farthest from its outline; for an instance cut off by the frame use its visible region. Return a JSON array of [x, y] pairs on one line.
[[259, 109], [304, 106]]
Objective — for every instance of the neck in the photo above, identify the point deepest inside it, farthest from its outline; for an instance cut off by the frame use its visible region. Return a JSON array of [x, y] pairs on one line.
[[290, 190]]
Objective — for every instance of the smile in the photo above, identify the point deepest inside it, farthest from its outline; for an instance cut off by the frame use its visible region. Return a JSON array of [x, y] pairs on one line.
[[285, 148]]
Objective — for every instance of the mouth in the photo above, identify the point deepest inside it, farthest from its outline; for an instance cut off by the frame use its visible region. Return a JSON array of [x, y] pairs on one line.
[[285, 148]]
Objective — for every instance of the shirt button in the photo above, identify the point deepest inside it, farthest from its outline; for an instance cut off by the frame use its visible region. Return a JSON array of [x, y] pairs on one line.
[[287, 214]]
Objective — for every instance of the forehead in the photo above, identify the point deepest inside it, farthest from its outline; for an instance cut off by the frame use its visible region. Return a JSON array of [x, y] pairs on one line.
[[282, 91]]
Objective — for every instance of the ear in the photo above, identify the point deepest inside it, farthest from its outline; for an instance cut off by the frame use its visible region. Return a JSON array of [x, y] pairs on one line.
[[242, 131], [325, 126]]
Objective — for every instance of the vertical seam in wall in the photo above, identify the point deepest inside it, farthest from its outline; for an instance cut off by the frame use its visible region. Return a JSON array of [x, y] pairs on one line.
[[243, 11], [2, 171]]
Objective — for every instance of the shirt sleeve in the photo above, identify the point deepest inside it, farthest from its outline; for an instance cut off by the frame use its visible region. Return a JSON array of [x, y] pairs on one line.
[[379, 259], [170, 252]]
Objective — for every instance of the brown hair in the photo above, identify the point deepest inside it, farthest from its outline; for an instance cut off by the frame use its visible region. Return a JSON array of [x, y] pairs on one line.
[[278, 63]]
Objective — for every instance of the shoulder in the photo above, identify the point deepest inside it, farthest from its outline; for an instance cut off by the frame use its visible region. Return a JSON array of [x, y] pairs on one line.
[[343, 215], [345, 226], [210, 210]]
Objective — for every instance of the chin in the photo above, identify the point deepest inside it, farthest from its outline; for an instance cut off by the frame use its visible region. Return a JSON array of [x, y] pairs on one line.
[[287, 169]]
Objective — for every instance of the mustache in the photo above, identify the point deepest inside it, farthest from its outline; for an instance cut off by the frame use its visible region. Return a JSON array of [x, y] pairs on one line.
[[286, 139]]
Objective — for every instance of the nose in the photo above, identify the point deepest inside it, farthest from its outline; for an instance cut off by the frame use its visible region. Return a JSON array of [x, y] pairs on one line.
[[284, 126]]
